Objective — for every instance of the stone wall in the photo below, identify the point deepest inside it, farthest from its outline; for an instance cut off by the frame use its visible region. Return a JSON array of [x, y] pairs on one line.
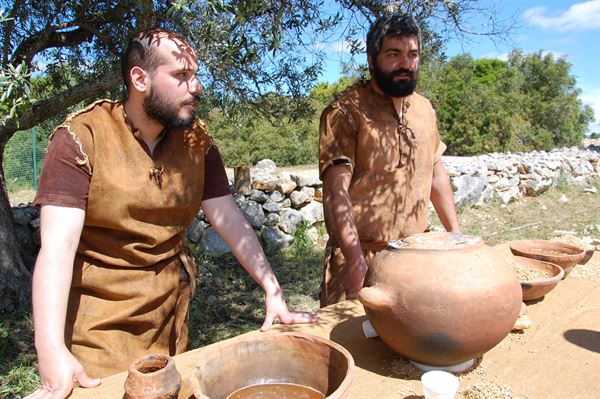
[[276, 202]]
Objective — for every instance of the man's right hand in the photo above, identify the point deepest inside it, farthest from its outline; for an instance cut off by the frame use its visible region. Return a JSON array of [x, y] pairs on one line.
[[58, 371]]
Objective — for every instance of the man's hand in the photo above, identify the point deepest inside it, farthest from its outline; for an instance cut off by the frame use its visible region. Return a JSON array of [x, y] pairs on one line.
[[277, 310], [58, 371], [355, 278]]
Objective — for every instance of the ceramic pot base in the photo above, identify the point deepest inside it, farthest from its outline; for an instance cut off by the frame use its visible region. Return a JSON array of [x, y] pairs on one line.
[[456, 368]]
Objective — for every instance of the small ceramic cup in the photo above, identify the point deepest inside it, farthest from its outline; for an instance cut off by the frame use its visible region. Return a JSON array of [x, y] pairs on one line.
[[439, 384]]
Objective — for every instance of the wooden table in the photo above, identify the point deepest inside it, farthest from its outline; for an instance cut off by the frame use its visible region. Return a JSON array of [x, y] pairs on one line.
[[558, 357]]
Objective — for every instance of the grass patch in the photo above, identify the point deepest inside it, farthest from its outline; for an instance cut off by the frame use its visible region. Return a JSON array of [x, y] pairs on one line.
[[562, 208], [228, 302], [18, 370]]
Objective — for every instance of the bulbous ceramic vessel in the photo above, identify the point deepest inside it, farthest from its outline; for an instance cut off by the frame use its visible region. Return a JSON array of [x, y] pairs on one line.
[[152, 377], [441, 299]]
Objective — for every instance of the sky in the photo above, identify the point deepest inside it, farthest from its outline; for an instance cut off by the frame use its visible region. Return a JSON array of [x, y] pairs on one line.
[[569, 29]]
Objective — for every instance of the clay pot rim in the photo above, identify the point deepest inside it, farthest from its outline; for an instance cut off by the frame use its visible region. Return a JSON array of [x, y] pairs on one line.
[[568, 251], [134, 367], [454, 241], [214, 351]]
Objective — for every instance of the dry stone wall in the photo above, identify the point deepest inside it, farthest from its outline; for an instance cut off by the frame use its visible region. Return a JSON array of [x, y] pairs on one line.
[[275, 202]]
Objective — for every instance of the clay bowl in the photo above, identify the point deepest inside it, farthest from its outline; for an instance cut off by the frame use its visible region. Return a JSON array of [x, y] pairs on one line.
[[538, 287], [279, 358], [563, 255]]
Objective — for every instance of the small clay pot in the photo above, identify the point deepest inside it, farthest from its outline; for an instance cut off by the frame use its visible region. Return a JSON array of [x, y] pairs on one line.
[[152, 377]]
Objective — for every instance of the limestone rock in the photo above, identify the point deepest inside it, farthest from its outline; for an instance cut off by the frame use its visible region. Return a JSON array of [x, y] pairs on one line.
[[289, 220], [213, 244], [253, 211], [274, 238], [195, 231]]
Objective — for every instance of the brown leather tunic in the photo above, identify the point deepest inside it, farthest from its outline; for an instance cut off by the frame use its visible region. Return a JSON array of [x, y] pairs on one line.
[[129, 296], [391, 157]]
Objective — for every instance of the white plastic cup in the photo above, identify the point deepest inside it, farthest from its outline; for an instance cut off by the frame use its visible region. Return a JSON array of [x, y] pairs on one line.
[[439, 384], [368, 329]]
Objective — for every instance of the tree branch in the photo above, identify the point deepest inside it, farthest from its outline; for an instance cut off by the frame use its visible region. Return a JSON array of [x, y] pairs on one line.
[[44, 40], [45, 109], [8, 29], [146, 15]]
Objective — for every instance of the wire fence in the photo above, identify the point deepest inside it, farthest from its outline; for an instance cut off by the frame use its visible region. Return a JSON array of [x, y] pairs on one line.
[[23, 158]]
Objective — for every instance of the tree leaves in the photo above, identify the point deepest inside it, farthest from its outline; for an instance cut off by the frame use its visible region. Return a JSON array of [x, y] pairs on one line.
[[526, 103], [15, 90]]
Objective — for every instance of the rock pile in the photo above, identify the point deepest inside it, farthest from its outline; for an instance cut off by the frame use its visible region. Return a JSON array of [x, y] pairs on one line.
[[274, 203], [277, 203], [509, 176]]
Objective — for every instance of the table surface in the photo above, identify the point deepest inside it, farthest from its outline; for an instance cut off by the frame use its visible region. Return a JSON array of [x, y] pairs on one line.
[[558, 357]]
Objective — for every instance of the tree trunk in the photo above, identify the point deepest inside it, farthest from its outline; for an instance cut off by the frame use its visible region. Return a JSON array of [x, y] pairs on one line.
[[15, 279], [242, 181]]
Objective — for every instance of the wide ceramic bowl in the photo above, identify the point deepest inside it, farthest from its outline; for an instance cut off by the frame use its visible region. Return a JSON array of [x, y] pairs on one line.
[[321, 367], [561, 254], [536, 287]]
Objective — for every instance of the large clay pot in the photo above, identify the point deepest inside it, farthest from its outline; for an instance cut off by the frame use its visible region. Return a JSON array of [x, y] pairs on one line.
[[152, 377], [441, 299]]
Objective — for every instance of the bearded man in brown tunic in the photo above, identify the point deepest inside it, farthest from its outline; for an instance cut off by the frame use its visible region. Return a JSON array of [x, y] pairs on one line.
[[121, 182], [380, 160]]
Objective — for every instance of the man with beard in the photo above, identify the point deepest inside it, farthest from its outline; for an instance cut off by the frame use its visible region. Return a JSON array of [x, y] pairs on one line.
[[121, 182], [380, 160]]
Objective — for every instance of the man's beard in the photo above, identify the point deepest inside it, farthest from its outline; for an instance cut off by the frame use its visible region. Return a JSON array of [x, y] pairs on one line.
[[395, 88], [159, 109]]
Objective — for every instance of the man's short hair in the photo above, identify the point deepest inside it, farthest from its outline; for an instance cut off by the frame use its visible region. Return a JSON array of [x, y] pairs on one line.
[[142, 51], [391, 25]]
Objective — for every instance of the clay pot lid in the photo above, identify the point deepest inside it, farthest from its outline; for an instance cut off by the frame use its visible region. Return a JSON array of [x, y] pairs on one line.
[[434, 240]]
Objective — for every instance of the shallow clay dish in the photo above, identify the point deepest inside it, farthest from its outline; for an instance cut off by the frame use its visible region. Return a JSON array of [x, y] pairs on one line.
[[537, 288], [290, 358], [563, 255]]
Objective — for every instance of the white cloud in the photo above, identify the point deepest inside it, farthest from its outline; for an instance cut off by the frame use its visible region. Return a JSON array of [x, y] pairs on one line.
[[504, 56], [579, 17], [495, 56], [555, 54], [343, 46], [340, 46]]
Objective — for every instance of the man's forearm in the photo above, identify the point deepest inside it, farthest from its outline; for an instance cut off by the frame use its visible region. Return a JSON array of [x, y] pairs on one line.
[[341, 213], [234, 229], [60, 232], [50, 297], [442, 199]]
